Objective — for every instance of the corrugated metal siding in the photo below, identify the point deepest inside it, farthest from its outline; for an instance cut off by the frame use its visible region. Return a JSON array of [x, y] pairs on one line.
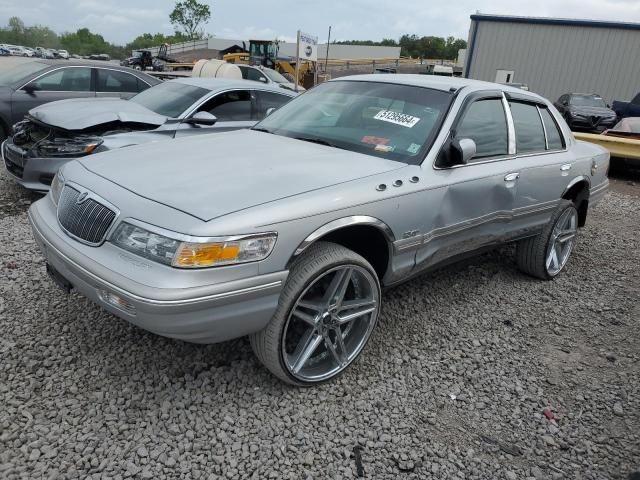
[[556, 59]]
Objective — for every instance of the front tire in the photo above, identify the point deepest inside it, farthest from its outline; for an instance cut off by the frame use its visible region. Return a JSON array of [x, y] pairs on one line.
[[326, 313], [545, 255]]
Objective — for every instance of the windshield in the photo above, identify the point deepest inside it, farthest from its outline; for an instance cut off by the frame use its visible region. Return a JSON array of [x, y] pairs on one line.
[[170, 99], [397, 122], [587, 101], [21, 73], [137, 54], [274, 76]]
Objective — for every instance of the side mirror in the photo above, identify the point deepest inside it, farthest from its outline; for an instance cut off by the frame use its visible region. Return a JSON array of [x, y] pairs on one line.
[[269, 111], [462, 150], [202, 118], [263, 79], [30, 89], [565, 103]]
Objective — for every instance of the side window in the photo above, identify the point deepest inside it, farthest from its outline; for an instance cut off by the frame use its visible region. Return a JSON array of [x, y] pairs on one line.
[[267, 100], [231, 106], [554, 137], [142, 86], [114, 81], [65, 80], [529, 132], [485, 123], [244, 70], [255, 74]]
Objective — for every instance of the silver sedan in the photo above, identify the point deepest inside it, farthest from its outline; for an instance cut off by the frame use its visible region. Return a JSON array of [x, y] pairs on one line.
[[58, 132], [288, 232]]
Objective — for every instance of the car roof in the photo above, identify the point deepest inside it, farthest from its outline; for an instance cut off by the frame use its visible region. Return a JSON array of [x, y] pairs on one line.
[[215, 84], [84, 63], [436, 82]]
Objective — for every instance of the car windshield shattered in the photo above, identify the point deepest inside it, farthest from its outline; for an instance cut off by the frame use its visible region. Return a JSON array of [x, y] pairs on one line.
[[170, 99], [21, 73], [397, 122]]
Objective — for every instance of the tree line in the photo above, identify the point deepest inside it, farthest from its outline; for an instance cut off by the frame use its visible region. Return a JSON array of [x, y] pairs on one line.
[[85, 42], [418, 47]]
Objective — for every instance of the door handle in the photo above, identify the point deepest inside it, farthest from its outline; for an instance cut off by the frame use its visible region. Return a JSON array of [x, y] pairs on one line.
[[566, 167], [510, 177]]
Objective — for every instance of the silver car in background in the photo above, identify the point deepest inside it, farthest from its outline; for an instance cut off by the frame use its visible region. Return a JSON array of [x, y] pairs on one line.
[[58, 132], [289, 231]]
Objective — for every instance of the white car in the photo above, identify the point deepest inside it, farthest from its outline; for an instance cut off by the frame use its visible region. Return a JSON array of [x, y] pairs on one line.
[[63, 54]]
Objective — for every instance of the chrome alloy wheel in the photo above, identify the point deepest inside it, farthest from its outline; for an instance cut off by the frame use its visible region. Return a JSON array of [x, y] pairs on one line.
[[562, 241], [330, 323]]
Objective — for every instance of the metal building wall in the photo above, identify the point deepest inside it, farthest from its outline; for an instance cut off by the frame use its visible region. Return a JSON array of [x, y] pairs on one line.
[[558, 58]]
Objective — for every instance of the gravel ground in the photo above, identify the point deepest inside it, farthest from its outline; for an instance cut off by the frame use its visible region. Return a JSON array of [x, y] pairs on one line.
[[454, 384]]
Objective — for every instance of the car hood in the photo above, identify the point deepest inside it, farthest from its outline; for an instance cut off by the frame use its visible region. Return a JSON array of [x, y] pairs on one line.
[[208, 176], [82, 113], [596, 111]]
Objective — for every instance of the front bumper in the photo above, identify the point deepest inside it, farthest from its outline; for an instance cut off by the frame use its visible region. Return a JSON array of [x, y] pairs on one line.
[[30, 172], [202, 314], [592, 124]]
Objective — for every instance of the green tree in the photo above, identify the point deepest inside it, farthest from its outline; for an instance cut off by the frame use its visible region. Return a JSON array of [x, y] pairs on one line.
[[189, 15]]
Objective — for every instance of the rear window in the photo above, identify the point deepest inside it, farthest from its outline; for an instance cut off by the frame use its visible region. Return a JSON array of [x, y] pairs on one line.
[[529, 131], [554, 137]]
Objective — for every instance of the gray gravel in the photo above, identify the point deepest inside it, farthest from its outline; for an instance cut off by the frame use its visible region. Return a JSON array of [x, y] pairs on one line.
[[454, 384]]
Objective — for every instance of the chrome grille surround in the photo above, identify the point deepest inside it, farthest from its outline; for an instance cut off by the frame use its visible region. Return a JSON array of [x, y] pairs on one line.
[[85, 216]]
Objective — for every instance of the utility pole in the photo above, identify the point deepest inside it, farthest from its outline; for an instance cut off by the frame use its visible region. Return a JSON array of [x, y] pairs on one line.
[[326, 60]]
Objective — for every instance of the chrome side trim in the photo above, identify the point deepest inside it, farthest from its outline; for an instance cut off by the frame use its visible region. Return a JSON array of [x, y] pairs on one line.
[[403, 245], [511, 129], [150, 301], [599, 189], [345, 222]]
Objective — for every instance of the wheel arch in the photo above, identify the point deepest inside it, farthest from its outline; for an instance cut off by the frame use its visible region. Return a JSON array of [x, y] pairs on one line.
[[349, 232], [578, 192]]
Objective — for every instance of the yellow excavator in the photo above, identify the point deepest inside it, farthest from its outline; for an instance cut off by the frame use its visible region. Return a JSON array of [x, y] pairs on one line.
[[265, 53]]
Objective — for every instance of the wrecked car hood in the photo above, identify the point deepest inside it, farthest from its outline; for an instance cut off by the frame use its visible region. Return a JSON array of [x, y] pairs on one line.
[[208, 176], [82, 113]]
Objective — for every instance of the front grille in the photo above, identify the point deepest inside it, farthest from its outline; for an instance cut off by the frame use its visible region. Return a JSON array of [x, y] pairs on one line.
[[88, 220]]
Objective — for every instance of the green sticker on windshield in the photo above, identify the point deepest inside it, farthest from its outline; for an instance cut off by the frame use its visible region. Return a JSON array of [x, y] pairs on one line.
[[413, 148]]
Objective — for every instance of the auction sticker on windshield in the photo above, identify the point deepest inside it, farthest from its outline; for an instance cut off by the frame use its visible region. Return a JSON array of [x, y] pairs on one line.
[[397, 118]]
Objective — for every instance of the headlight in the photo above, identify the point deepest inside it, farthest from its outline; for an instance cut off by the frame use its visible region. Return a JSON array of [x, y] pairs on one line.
[[56, 187], [62, 146], [210, 252], [573, 113]]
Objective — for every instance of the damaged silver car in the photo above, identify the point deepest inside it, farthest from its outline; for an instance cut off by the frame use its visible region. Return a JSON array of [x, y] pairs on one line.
[[57, 132], [288, 232]]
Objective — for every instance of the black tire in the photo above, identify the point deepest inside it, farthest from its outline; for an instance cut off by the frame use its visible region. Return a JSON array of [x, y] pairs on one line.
[[531, 253], [315, 262]]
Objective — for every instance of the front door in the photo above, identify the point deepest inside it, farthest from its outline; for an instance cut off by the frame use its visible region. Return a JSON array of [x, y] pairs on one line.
[[471, 205]]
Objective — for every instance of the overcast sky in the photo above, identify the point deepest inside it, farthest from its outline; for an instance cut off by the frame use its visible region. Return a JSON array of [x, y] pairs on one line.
[[119, 21]]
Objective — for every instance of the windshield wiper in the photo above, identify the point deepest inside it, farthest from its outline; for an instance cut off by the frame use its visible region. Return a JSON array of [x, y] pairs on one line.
[[319, 141], [261, 130]]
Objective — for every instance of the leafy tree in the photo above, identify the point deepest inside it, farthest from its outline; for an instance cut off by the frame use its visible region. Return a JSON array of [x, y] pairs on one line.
[[414, 46], [189, 14], [147, 40]]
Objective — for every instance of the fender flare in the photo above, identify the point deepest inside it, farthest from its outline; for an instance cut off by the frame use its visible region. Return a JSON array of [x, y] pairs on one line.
[[344, 222]]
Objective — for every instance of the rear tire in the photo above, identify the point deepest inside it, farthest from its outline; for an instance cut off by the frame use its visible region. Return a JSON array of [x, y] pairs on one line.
[[326, 312], [535, 256]]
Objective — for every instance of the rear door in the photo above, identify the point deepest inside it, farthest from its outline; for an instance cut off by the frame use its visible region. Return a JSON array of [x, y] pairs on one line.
[[115, 83], [59, 84], [543, 161]]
